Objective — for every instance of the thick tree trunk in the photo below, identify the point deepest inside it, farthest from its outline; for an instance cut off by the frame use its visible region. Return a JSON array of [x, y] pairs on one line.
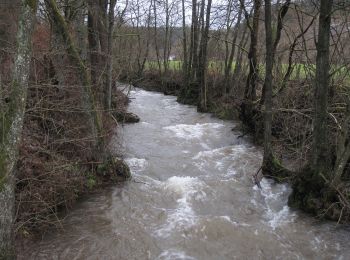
[[320, 149], [311, 191], [10, 130], [268, 85]]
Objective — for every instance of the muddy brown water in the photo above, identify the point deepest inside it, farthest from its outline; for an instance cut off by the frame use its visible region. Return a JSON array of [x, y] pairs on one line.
[[191, 197]]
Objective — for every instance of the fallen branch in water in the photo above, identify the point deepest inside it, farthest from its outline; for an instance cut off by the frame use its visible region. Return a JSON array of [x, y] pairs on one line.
[[257, 178]]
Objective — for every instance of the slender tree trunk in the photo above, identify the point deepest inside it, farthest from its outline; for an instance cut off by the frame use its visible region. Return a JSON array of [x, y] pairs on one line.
[[103, 39], [250, 90], [193, 22], [108, 100], [156, 37], [196, 30], [11, 127], [239, 56], [247, 106], [228, 67], [184, 41], [228, 31], [93, 40], [202, 68], [271, 166], [281, 14], [166, 39]]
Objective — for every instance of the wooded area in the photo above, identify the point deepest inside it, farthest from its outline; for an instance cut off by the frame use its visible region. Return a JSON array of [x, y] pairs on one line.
[[281, 67]]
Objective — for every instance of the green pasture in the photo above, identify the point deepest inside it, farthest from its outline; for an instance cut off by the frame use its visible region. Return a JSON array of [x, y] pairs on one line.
[[300, 71]]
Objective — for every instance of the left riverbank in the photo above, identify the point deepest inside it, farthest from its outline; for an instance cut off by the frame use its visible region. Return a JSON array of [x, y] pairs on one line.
[[58, 162]]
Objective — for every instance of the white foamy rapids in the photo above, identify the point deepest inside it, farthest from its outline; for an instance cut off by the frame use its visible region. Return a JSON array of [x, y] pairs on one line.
[[277, 212], [229, 159], [185, 189], [170, 103], [235, 223], [196, 131], [136, 164], [174, 254]]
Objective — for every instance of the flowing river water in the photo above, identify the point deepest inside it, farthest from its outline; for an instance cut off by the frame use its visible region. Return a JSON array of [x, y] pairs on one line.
[[191, 197]]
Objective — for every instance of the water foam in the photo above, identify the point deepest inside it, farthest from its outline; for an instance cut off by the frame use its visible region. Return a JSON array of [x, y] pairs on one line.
[[221, 156], [196, 131], [185, 189], [276, 214], [136, 164], [174, 254]]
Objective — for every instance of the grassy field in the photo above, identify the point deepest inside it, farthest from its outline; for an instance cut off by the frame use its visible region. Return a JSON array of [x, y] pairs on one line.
[[218, 67], [300, 71]]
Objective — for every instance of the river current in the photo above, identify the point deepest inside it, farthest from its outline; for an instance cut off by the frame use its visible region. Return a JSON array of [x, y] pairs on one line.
[[191, 197]]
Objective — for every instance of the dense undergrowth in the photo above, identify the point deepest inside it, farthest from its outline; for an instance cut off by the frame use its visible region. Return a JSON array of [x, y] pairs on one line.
[[57, 162], [58, 158]]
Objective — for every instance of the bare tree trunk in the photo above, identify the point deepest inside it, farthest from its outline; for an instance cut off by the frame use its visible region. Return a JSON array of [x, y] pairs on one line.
[[239, 57], [156, 37], [193, 32], [103, 38], [10, 130], [228, 67], [268, 86], [311, 190], [320, 152], [228, 23], [247, 107], [281, 14], [199, 24], [184, 40], [202, 67], [166, 39], [108, 97], [93, 40], [145, 57], [250, 89], [271, 166]]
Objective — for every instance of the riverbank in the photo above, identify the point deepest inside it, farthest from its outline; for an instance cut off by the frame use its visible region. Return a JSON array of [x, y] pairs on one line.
[[58, 162]]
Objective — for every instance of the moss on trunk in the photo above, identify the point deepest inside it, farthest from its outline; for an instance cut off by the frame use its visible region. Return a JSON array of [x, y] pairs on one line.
[[272, 168], [313, 194]]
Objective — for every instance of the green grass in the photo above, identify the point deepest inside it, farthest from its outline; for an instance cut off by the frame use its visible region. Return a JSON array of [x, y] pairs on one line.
[[301, 71]]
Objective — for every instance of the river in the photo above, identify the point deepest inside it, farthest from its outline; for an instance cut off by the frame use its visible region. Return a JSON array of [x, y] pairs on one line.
[[191, 197]]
